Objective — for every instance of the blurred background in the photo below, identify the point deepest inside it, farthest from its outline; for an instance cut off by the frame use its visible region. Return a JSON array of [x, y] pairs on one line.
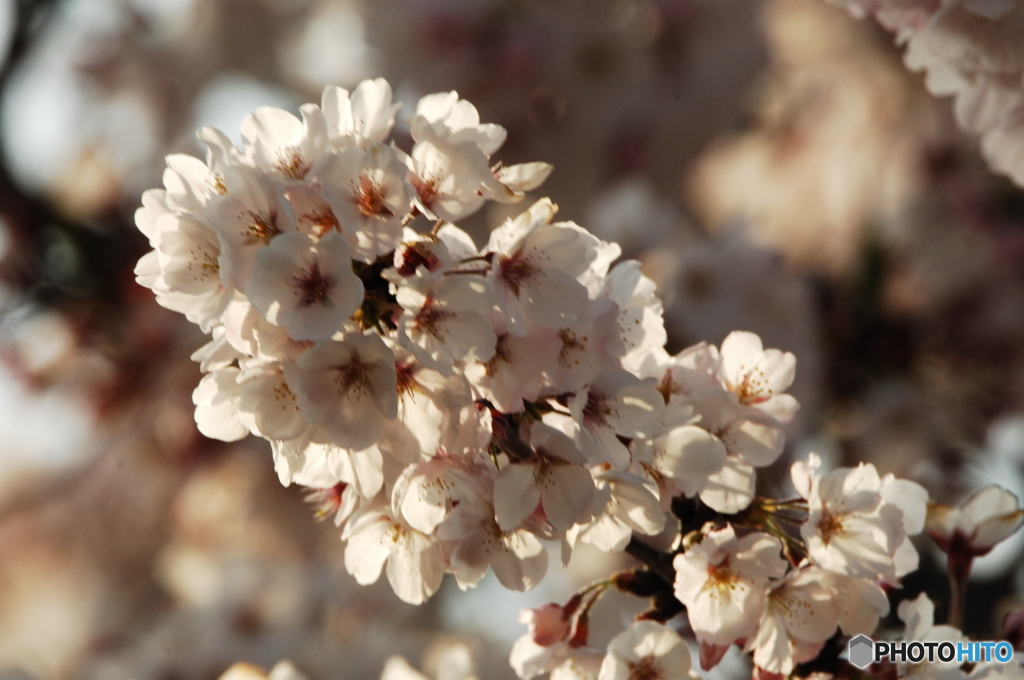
[[772, 164]]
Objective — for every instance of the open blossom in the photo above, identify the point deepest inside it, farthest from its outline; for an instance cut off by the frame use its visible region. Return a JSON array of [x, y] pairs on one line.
[[363, 116], [447, 115], [758, 377], [647, 650], [724, 419], [185, 269], [366, 189], [919, 616], [862, 602], [562, 660], [246, 216], [535, 269], [858, 522], [414, 563], [555, 477], [616, 404], [306, 286], [473, 542], [348, 387], [427, 491], [516, 372], [984, 519], [276, 140], [747, 438], [800, 614], [724, 580], [443, 320], [622, 504]]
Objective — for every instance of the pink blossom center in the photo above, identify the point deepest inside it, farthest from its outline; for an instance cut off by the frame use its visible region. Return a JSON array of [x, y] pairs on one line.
[[260, 229], [753, 388], [644, 669], [830, 526], [430, 317], [313, 285], [370, 198], [516, 270], [293, 165]]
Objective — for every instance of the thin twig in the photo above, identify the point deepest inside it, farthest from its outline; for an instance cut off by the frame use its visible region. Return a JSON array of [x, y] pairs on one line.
[[658, 562]]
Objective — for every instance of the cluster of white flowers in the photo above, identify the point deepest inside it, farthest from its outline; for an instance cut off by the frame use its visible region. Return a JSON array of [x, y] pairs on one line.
[[780, 595], [458, 403], [452, 406], [970, 50]]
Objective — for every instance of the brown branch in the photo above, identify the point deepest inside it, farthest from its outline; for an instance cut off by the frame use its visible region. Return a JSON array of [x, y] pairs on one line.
[[658, 562]]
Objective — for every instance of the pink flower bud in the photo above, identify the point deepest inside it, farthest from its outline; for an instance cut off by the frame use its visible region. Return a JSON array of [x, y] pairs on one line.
[[983, 520]]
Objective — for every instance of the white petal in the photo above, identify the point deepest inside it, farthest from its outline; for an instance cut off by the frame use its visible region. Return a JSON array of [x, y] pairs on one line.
[[689, 452], [520, 562], [415, 569], [515, 495], [369, 544], [731, 489], [568, 496], [216, 398]]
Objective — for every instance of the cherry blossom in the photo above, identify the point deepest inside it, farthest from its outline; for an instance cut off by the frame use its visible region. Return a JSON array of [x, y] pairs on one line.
[[758, 377], [185, 271], [616, 404], [441, 320], [277, 141], [448, 116], [476, 542], [456, 409], [857, 525], [535, 268], [548, 624], [862, 602], [247, 215], [367, 191], [555, 477], [622, 504], [919, 616], [452, 178], [306, 286], [968, 50], [800, 615], [414, 563], [724, 580], [217, 400], [647, 650], [348, 387], [978, 524], [364, 116], [565, 662]]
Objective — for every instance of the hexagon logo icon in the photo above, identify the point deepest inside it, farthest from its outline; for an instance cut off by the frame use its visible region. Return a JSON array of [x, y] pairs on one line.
[[861, 651]]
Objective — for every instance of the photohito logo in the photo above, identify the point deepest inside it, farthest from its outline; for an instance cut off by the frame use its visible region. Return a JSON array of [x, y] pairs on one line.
[[862, 651]]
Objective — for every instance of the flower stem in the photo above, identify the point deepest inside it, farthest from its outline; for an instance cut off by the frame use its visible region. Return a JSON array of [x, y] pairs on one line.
[[959, 573]]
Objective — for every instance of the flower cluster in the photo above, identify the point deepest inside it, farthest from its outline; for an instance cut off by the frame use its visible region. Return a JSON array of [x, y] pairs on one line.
[[970, 50], [778, 591], [453, 404], [783, 597]]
